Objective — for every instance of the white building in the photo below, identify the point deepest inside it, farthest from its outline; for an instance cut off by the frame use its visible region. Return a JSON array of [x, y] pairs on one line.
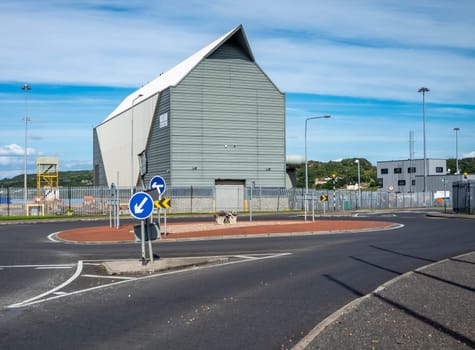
[[408, 175]]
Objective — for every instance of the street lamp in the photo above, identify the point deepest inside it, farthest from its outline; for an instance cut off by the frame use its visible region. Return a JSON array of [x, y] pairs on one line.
[[457, 151], [132, 148], [306, 159], [359, 183], [25, 88], [424, 90]]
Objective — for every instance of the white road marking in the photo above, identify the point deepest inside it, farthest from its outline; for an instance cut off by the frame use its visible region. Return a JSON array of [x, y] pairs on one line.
[[52, 237], [246, 257], [61, 286], [37, 299], [52, 267], [110, 277], [39, 266]]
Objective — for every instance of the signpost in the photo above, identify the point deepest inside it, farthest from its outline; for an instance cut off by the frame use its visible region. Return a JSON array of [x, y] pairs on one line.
[[159, 183], [324, 199], [114, 203], [164, 203], [141, 207]]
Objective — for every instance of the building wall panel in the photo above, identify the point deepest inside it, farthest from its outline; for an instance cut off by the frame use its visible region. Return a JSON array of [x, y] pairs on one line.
[[228, 122]]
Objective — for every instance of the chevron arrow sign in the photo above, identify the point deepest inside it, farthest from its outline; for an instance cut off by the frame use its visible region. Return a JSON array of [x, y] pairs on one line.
[[164, 203]]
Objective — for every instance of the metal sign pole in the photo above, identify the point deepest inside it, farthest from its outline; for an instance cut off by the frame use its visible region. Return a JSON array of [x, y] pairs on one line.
[[117, 196], [313, 206], [142, 236], [165, 220], [118, 210], [250, 204], [159, 214], [149, 229]]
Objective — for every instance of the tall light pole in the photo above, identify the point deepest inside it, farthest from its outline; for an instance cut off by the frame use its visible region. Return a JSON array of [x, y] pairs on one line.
[[306, 160], [424, 90], [25, 88], [359, 183], [132, 148], [457, 151]]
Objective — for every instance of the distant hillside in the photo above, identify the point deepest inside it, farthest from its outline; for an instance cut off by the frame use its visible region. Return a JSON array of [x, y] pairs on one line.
[[346, 171], [66, 178], [466, 164], [346, 174]]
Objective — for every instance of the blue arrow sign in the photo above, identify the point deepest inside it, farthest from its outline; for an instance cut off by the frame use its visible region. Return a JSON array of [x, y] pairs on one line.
[[159, 183], [141, 205]]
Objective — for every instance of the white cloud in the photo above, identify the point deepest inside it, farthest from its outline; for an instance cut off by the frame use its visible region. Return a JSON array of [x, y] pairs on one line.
[[469, 155], [371, 48], [12, 150], [375, 49]]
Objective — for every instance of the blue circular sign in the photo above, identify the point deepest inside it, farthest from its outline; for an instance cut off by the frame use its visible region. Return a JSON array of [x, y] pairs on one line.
[[141, 205], [159, 183]]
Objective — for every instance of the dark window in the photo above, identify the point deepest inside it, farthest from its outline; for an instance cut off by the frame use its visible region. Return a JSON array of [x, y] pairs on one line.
[[401, 183], [380, 182], [411, 170], [413, 182], [384, 171], [439, 169], [397, 170]]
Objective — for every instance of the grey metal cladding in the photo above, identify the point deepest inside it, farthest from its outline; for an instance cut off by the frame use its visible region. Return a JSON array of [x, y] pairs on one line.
[[98, 163], [158, 148], [227, 121]]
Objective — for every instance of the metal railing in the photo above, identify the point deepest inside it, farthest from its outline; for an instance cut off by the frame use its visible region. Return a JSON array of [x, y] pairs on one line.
[[96, 200]]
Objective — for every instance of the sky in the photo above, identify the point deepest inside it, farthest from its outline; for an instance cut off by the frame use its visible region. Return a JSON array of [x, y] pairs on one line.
[[362, 62]]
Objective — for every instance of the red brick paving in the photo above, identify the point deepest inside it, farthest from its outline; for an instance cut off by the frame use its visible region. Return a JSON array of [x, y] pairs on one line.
[[124, 233]]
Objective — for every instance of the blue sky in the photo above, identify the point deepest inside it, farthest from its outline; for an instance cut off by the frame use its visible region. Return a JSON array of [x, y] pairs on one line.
[[360, 61]]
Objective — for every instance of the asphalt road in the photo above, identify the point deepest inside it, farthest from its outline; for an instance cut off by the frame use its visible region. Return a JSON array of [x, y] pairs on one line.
[[269, 296]]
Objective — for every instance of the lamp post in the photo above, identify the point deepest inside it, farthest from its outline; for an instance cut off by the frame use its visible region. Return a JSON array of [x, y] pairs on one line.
[[424, 90], [359, 183], [132, 148], [26, 119], [306, 160], [457, 151]]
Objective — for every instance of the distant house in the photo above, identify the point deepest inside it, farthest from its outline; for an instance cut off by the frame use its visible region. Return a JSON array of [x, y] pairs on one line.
[[215, 119]]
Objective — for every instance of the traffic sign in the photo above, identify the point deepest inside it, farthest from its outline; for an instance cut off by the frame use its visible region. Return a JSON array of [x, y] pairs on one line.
[[324, 198], [159, 183], [141, 205], [164, 203]]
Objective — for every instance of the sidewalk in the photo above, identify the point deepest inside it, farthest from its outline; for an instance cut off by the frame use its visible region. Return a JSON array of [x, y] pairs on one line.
[[430, 308]]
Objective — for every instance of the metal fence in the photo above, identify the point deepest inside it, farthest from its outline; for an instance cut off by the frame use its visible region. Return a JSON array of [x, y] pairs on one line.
[[464, 197], [97, 200]]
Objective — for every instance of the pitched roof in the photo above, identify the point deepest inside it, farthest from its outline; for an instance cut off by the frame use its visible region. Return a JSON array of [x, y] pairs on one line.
[[173, 76]]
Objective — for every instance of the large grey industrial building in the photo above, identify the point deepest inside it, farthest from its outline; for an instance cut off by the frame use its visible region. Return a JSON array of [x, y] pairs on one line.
[[214, 119]]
